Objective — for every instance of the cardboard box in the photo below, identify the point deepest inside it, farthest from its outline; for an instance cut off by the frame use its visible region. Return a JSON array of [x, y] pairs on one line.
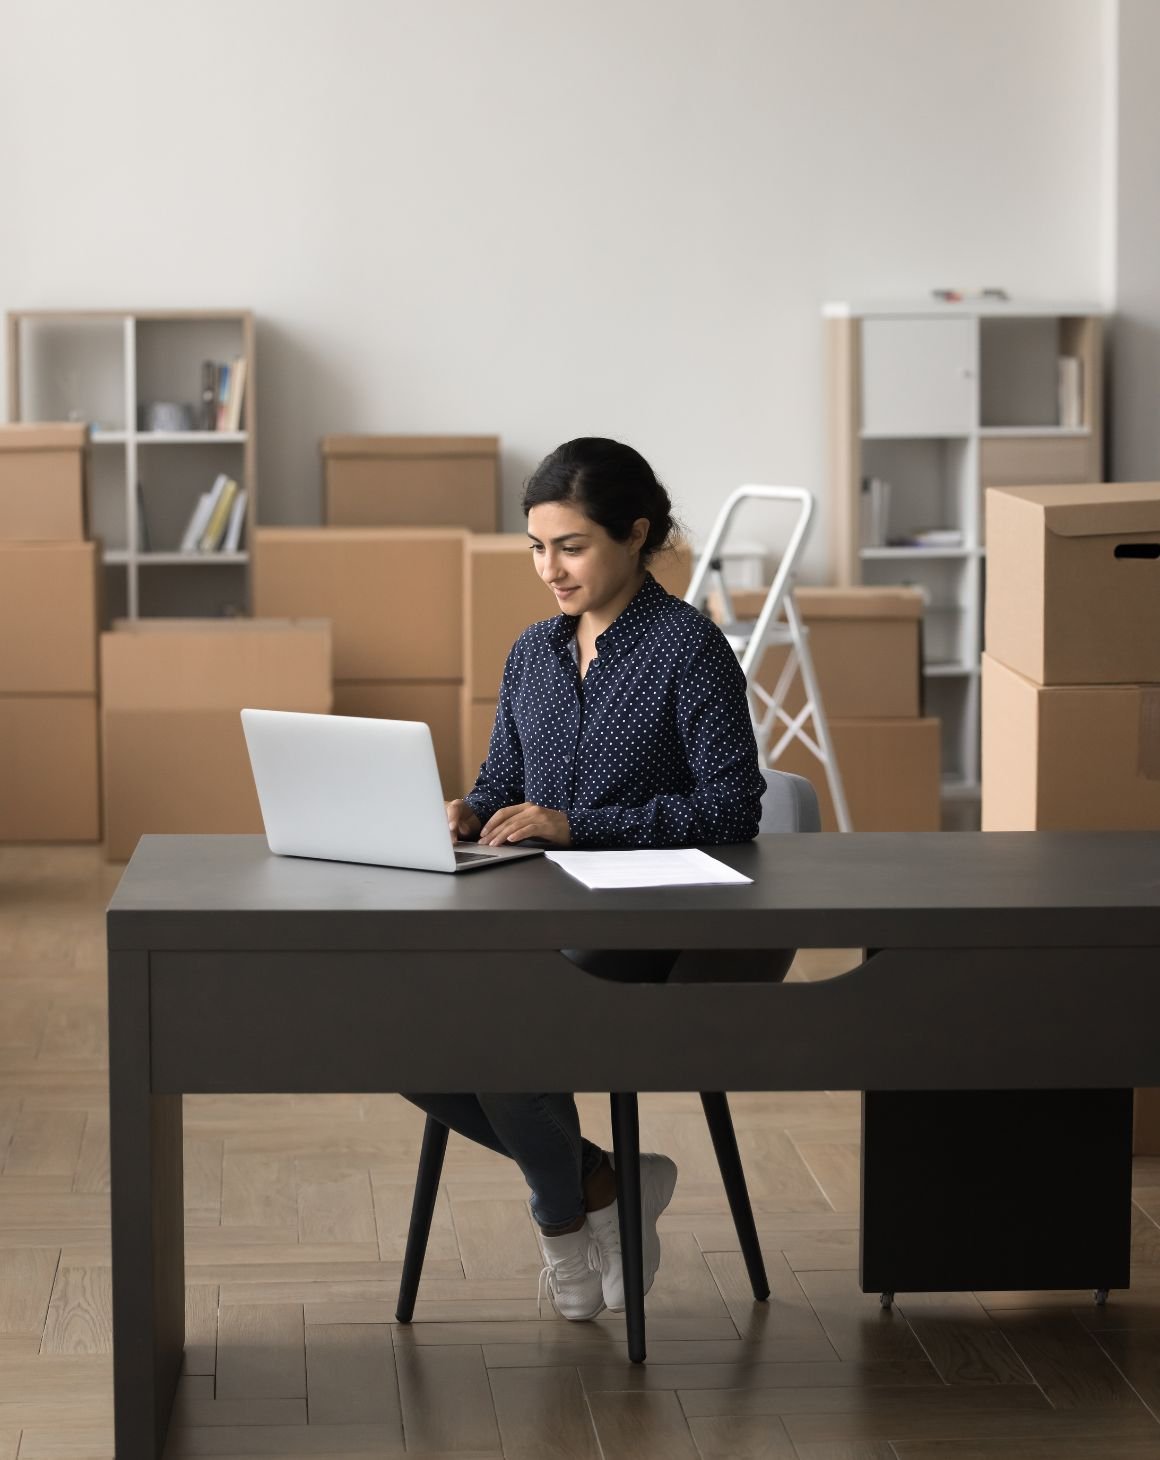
[[673, 568], [42, 483], [1068, 757], [890, 773], [173, 750], [48, 769], [394, 596], [477, 716], [1073, 582], [865, 644], [49, 612], [437, 705], [502, 595], [412, 481]]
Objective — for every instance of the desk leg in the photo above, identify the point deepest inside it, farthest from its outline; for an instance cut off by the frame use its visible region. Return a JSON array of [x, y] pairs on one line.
[[147, 1213], [626, 1154]]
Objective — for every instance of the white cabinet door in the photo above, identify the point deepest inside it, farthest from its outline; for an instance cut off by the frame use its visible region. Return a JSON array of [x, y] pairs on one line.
[[920, 377]]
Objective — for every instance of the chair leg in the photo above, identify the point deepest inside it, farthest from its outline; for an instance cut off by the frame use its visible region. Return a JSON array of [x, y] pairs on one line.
[[422, 1210], [626, 1153], [716, 1107]]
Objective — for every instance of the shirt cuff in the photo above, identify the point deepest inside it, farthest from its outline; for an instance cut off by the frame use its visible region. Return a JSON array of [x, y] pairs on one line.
[[588, 829], [483, 806]]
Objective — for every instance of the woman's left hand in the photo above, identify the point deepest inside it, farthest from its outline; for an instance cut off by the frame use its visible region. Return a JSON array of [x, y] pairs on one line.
[[515, 823]]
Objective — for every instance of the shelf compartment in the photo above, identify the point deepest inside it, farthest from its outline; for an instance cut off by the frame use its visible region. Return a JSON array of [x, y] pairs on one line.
[[172, 481], [71, 369], [1019, 372], [930, 483], [169, 359], [954, 700]]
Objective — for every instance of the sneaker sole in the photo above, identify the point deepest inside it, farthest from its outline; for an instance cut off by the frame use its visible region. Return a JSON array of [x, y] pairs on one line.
[[579, 1317], [648, 1223]]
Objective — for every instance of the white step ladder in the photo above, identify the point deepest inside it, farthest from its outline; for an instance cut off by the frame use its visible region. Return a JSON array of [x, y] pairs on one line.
[[751, 638]]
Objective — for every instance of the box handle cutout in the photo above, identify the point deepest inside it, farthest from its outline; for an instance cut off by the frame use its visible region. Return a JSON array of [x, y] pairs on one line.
[[1138, 550]]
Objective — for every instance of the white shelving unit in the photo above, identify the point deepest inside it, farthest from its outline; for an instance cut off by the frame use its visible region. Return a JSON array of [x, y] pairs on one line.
[[942, 400], [103, 367]]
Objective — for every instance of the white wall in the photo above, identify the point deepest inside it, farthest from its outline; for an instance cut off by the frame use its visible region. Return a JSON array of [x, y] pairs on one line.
[[541, 220], [1135, 355]]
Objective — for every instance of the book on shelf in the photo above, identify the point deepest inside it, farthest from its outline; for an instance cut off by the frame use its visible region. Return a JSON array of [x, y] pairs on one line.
[[209, 520], [233, 537], [215, 528], [223, 390], [875, 511], [1070, 381], [237, 388], [207, 414], [197, 521], [228, 393], [143, 543]]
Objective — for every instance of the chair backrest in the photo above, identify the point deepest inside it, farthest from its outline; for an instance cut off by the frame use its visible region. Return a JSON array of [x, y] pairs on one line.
[[789, 803]]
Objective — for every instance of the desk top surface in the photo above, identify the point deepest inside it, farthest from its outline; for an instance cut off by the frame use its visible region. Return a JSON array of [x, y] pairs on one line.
[[860, 890]]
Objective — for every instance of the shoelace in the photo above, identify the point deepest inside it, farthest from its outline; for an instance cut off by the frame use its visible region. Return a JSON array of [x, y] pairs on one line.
[[568, 1267]]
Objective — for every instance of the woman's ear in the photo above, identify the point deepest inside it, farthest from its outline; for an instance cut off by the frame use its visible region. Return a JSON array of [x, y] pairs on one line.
[[639, 535]]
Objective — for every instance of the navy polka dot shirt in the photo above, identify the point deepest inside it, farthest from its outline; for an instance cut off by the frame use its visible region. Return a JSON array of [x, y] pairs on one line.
[[653, 748]]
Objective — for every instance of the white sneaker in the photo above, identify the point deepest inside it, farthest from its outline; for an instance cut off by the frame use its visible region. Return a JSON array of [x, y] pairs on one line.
[[571, 1276], [658, 1179]]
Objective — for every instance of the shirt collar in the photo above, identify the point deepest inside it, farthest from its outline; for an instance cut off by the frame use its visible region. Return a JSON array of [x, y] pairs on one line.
[[626, 629]]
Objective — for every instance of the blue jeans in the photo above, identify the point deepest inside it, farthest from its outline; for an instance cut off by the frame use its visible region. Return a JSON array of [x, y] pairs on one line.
[[541, 1133]]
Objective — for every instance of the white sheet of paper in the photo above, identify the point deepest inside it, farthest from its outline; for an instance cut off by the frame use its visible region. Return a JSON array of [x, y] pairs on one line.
[[686, 867]]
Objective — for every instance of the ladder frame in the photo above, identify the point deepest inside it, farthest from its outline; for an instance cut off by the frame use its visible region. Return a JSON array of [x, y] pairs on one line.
[[750, 640]]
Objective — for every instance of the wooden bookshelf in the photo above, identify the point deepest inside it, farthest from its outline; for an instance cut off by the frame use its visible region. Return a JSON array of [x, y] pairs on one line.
[[943, 400], [101, 366]]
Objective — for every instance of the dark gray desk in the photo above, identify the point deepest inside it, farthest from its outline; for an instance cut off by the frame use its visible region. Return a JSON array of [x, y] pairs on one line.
[[1022, 960]]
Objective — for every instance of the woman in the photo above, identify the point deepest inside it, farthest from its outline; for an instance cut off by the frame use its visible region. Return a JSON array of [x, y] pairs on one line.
[[622, 722]]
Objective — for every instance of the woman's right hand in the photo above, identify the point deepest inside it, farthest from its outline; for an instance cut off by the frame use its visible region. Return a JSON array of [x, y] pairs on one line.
[[462, 822]]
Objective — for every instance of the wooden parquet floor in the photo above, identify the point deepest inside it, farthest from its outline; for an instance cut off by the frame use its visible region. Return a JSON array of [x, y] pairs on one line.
[[296, 1213]]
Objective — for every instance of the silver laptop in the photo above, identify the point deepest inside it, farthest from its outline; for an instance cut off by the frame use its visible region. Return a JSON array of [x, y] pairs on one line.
[[356, 790]]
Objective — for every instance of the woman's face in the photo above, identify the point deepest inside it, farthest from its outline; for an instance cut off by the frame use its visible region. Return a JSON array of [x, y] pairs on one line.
[[576, 558]]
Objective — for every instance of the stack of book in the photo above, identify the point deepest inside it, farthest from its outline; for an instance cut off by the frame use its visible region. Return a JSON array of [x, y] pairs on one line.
[[222, 389], [216, 522]]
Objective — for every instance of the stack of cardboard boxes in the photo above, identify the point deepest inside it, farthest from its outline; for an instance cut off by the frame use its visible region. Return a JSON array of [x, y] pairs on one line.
[[866, 648], [1071, 676], [174, 755], [412, 481], [49, 577], [394, 599]]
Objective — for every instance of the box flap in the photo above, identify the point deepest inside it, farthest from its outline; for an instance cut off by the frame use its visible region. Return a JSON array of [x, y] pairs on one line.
[[825, 603], [860, 602], [1095, 509], [410, 446], [43, 436]]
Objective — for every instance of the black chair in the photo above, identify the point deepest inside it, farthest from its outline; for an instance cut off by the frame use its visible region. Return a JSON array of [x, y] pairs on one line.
[[789, 804]]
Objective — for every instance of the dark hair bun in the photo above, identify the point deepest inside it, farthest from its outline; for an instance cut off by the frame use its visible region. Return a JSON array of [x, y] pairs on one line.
[[610, 483]]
